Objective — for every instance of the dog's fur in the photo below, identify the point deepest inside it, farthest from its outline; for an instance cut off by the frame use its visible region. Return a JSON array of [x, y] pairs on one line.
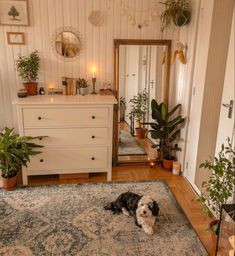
[[142, 208]]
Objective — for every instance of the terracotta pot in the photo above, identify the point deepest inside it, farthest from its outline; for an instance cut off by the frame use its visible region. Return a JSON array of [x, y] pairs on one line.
[[9, 184], [167, 164], [31, 88], [141, 133], [213, 238]]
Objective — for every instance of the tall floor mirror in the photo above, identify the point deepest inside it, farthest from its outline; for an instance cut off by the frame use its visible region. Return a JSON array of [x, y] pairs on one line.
[[142, 72]]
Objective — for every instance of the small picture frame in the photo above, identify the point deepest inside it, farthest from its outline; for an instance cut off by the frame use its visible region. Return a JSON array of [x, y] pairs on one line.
[[15, 38], [14, 12]]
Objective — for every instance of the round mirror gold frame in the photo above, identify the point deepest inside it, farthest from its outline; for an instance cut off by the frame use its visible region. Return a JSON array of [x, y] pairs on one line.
[[66, 43]]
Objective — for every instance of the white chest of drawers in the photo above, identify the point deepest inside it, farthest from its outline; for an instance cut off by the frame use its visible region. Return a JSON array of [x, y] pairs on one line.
[[79, 133]]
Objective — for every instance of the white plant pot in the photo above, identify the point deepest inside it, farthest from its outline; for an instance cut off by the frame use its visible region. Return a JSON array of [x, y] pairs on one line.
[[83, 90]]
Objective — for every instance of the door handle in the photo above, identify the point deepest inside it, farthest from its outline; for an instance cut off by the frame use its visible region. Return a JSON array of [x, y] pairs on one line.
[[230, 108]]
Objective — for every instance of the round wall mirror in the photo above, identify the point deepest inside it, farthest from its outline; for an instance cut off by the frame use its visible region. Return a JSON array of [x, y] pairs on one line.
[[66, 43]]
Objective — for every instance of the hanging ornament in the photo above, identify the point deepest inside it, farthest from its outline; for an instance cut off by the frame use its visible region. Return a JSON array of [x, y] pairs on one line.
[[180, 53], [130, 13], [96, 18]]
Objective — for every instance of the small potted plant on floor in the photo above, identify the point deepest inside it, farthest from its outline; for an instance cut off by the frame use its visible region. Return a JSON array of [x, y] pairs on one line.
[[83, 86], [166, 129], [219, 187], [28, 68], [138, 109], [176, 11], [15, 152]]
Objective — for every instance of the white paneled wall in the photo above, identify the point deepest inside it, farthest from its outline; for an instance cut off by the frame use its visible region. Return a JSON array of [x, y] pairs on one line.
[[46, 16]]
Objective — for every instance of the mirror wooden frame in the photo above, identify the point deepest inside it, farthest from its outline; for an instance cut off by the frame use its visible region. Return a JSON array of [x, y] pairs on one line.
[[117, 43]]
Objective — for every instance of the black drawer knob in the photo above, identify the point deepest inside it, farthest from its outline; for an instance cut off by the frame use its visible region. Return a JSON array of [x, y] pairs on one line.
[[92, 158], [41, 160], [93, 117], [40, 138], [39, 118], [93, 137]]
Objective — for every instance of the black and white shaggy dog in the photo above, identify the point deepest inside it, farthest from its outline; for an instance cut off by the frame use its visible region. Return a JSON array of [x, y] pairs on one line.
[[142, 208]]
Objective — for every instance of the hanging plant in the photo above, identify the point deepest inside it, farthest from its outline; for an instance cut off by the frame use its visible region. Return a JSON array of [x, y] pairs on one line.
[[176, 11]]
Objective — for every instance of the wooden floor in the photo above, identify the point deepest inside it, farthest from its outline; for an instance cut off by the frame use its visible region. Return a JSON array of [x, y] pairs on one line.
[[177, 184]]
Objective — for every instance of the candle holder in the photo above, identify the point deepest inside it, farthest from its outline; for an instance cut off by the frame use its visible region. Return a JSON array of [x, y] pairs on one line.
[[93, 82]]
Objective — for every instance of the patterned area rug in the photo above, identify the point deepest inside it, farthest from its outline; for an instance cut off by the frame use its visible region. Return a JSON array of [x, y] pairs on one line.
[[127, 145], [67, 220]]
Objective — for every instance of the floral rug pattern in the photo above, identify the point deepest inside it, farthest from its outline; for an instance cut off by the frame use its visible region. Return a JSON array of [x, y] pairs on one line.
[[69, 220]]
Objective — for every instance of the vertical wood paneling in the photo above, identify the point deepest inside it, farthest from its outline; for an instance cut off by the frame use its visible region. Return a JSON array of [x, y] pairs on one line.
[[46, 16]]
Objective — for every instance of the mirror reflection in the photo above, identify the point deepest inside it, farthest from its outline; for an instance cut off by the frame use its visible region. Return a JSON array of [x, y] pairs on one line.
[[67, 44], [142, 73]]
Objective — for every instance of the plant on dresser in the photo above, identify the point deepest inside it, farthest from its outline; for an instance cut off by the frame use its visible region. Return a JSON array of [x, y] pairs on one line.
[[83, 85], [28, 68], [15, 151]]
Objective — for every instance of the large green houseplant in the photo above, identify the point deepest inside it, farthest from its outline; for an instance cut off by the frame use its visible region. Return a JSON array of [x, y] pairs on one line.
[[218, 188], [220, 184], [28, 68], [176, 11], [166, 128], [138, 109], [15, 152]]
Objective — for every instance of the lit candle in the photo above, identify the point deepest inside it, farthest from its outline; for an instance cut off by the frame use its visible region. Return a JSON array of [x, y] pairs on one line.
[[93, 71], [152, 162], [50, 86]]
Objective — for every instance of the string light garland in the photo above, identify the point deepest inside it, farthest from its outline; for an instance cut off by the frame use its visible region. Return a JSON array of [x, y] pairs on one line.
[[130, 12]]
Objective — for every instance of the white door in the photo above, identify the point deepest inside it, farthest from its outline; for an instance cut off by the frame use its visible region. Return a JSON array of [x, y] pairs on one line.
[[226, 121], [132, 66]]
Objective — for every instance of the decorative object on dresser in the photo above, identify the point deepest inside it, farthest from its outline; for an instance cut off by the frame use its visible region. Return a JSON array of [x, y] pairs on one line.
[[83, 86], [93, 79], [71, 220], [22, 93], [69, 86], [14, 12], [15, 152], [79, 131], [28, 68], [15, 38]]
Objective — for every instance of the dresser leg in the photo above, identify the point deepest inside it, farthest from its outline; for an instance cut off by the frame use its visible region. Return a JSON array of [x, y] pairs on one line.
[[109, 175], [24, 177]]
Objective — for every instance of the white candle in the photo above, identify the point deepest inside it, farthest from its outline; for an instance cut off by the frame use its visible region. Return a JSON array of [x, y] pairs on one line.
[[93, 72]]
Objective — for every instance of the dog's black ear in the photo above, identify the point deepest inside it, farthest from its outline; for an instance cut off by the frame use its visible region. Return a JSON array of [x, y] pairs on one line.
[[155, 209]]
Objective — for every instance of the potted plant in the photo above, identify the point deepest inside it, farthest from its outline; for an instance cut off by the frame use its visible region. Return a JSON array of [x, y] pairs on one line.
[[28, 68], [219, 187], [83, 85], [15, 152], [166, 129], [138, 109], [176, 11]]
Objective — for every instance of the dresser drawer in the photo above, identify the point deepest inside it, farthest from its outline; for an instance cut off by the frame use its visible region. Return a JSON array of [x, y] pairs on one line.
[[70, 136], [65, 117], [69, 159]]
